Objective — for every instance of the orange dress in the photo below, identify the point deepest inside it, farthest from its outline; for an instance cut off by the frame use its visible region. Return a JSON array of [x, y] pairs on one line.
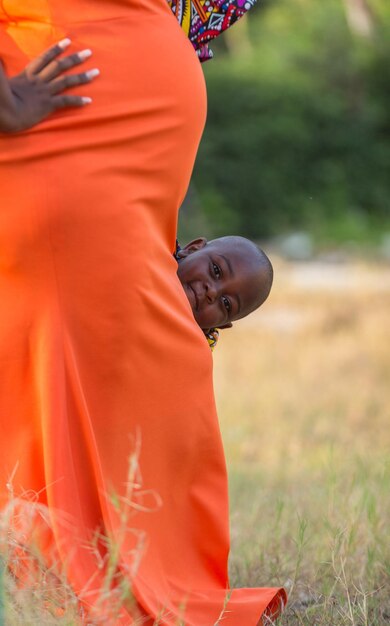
[[99, 351]]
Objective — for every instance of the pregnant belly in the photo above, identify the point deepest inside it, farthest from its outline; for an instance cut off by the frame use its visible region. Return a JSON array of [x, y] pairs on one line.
[[151, 83], [116, 171]]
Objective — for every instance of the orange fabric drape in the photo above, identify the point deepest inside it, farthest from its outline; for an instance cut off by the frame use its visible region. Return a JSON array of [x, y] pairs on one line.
[[99, 351]]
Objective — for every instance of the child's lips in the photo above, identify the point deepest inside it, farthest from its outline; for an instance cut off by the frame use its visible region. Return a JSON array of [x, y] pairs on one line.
[[195, 297]]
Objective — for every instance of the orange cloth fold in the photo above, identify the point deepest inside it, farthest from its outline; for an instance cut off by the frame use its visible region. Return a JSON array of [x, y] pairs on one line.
[[99, 350]]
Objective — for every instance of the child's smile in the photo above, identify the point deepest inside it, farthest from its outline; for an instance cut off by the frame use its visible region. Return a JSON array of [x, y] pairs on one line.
[[224, 280]]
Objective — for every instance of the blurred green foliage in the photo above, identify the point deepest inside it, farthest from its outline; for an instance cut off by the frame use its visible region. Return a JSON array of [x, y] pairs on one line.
[[297, 134]]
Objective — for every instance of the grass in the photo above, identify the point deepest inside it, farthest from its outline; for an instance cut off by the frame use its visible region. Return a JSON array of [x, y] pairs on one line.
[[303, 393]]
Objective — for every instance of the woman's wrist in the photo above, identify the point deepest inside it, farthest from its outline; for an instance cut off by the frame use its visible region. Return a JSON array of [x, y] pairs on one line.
[[5, 94]]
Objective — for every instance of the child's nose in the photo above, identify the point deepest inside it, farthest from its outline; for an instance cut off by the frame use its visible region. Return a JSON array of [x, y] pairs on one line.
[[211, 293]]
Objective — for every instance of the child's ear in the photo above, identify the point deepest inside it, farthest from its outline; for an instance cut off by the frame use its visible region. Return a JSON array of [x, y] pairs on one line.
[[192, 246], [228, 325]]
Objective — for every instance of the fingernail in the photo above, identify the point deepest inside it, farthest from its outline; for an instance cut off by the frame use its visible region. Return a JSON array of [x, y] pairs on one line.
[[86, 100], [64, 43], [93, 73], [84, 54]]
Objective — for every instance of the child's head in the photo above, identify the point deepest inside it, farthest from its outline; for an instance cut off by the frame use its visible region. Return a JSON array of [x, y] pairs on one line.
[[224, 279]]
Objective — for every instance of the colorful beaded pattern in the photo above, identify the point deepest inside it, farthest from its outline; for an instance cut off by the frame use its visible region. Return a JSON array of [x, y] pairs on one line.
[[203, 20]]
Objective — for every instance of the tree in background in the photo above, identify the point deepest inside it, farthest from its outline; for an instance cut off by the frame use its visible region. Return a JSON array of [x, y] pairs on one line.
[[297, 130]]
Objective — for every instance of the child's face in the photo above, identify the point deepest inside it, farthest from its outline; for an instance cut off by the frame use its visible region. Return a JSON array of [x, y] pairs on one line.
[[222, 280]]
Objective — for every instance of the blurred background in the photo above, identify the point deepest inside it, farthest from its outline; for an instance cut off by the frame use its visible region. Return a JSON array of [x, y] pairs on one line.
[[297, 134], [296, 156]]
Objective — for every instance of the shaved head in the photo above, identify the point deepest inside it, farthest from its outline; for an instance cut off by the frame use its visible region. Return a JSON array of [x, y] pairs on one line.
[[260, 264], [224, 279]]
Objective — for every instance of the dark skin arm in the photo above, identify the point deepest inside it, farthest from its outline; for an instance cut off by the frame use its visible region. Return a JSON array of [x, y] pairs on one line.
[[33, 95]]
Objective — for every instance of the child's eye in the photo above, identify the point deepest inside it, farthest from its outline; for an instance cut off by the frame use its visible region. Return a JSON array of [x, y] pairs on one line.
[[217, 270], [227, 304]]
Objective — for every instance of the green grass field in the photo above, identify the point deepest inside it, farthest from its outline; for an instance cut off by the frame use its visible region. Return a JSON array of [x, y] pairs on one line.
[[303, 391]]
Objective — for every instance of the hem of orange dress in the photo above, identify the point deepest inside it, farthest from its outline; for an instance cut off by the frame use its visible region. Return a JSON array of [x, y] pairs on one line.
[[275, 608], [271, 612]]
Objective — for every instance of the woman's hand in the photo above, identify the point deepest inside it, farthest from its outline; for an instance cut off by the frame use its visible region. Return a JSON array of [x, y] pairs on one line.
[[29, 97]]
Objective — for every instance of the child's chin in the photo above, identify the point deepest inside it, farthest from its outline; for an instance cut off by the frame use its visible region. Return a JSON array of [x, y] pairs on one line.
[[200, 323]]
